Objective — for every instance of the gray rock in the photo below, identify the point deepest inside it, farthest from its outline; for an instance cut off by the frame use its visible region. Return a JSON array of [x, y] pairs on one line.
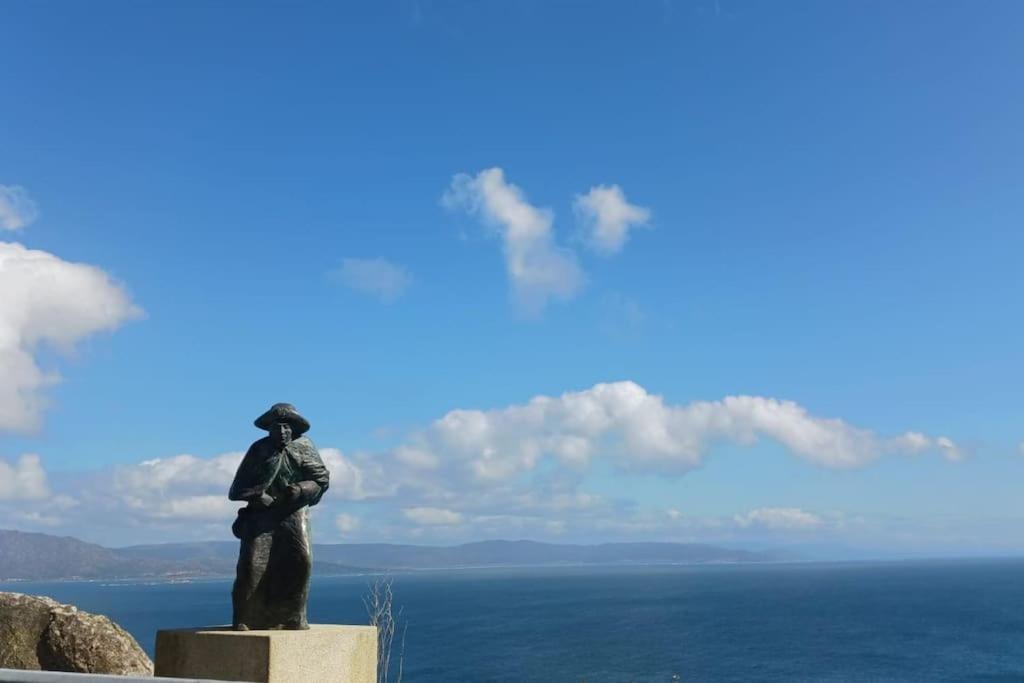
[[39, 633], [23, 620]]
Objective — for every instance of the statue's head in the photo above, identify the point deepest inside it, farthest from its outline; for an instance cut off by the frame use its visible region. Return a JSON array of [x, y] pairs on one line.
[[281, 433], [283, 422]]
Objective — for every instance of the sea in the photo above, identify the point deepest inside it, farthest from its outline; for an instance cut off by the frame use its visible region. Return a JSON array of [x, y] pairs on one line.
[[888, 621]]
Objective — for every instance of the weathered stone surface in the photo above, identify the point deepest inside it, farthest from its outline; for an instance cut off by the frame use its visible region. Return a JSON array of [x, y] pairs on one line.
[[40, 633], [23, 620], [323, 654]]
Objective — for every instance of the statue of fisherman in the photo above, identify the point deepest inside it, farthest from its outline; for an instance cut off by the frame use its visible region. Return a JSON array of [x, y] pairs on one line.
[[280, 477]]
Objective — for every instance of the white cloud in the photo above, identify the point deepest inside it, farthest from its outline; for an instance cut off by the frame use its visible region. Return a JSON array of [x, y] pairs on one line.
[[16, 208], [23, 480], [349, 479], [780, 519], [1020, 448], [47, 300], [949, 449], [640, 431], [519, 469], [916, 442], [913, 442], [608, 217], [179, 474], [191, 488], [538, 268], [184, 496], [346, 523], [179, 488], [432, 516], [211, 507], [374, 276]]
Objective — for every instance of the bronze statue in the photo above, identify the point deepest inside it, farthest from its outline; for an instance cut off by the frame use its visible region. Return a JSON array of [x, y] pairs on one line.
[[280, 477]]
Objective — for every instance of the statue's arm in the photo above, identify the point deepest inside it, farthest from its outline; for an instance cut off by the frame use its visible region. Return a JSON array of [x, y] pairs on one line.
[[315, 478]]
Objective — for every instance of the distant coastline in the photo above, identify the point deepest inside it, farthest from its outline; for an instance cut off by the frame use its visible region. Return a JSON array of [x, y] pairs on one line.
[[35, 556], [42, 557]]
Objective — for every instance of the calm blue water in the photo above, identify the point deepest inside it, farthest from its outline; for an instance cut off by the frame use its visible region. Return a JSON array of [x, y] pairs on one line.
[[827, 622]]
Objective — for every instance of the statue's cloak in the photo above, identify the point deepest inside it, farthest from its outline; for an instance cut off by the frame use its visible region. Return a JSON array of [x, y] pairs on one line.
[[264, 469]]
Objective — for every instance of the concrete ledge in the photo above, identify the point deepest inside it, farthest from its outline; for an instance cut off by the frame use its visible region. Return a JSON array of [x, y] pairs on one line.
[[19, 676], [326, 653]]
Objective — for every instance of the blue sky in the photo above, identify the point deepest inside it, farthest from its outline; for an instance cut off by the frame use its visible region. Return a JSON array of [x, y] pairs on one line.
[[323, 203]]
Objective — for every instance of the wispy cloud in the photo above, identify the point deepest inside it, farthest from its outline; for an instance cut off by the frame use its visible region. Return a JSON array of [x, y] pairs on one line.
[[16, 208], [377, 277], [537, 267], [621, 315], [780, 518], [608, 218], [347, 524], [432, 516], [916, 442]]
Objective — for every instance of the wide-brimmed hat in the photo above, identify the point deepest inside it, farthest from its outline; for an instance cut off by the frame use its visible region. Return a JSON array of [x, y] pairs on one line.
[[283, 412]]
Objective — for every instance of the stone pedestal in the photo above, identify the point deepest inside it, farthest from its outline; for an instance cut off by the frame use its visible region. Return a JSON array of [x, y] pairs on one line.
[[323, 654]]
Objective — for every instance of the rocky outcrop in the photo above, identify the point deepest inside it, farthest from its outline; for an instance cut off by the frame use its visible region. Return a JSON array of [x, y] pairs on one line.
[[40, 633]]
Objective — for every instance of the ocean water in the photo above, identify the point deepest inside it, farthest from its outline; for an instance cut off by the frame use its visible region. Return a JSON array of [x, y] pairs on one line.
[[914, 621]]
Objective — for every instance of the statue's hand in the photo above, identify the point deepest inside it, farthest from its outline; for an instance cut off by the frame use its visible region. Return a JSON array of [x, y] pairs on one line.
[[264, 501], [292, 492]]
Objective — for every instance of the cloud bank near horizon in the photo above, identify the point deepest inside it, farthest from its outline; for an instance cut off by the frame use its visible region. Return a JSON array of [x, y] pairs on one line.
[[516, 471]]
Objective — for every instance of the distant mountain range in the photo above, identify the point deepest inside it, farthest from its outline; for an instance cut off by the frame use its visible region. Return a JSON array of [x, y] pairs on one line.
[[40, 556]]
